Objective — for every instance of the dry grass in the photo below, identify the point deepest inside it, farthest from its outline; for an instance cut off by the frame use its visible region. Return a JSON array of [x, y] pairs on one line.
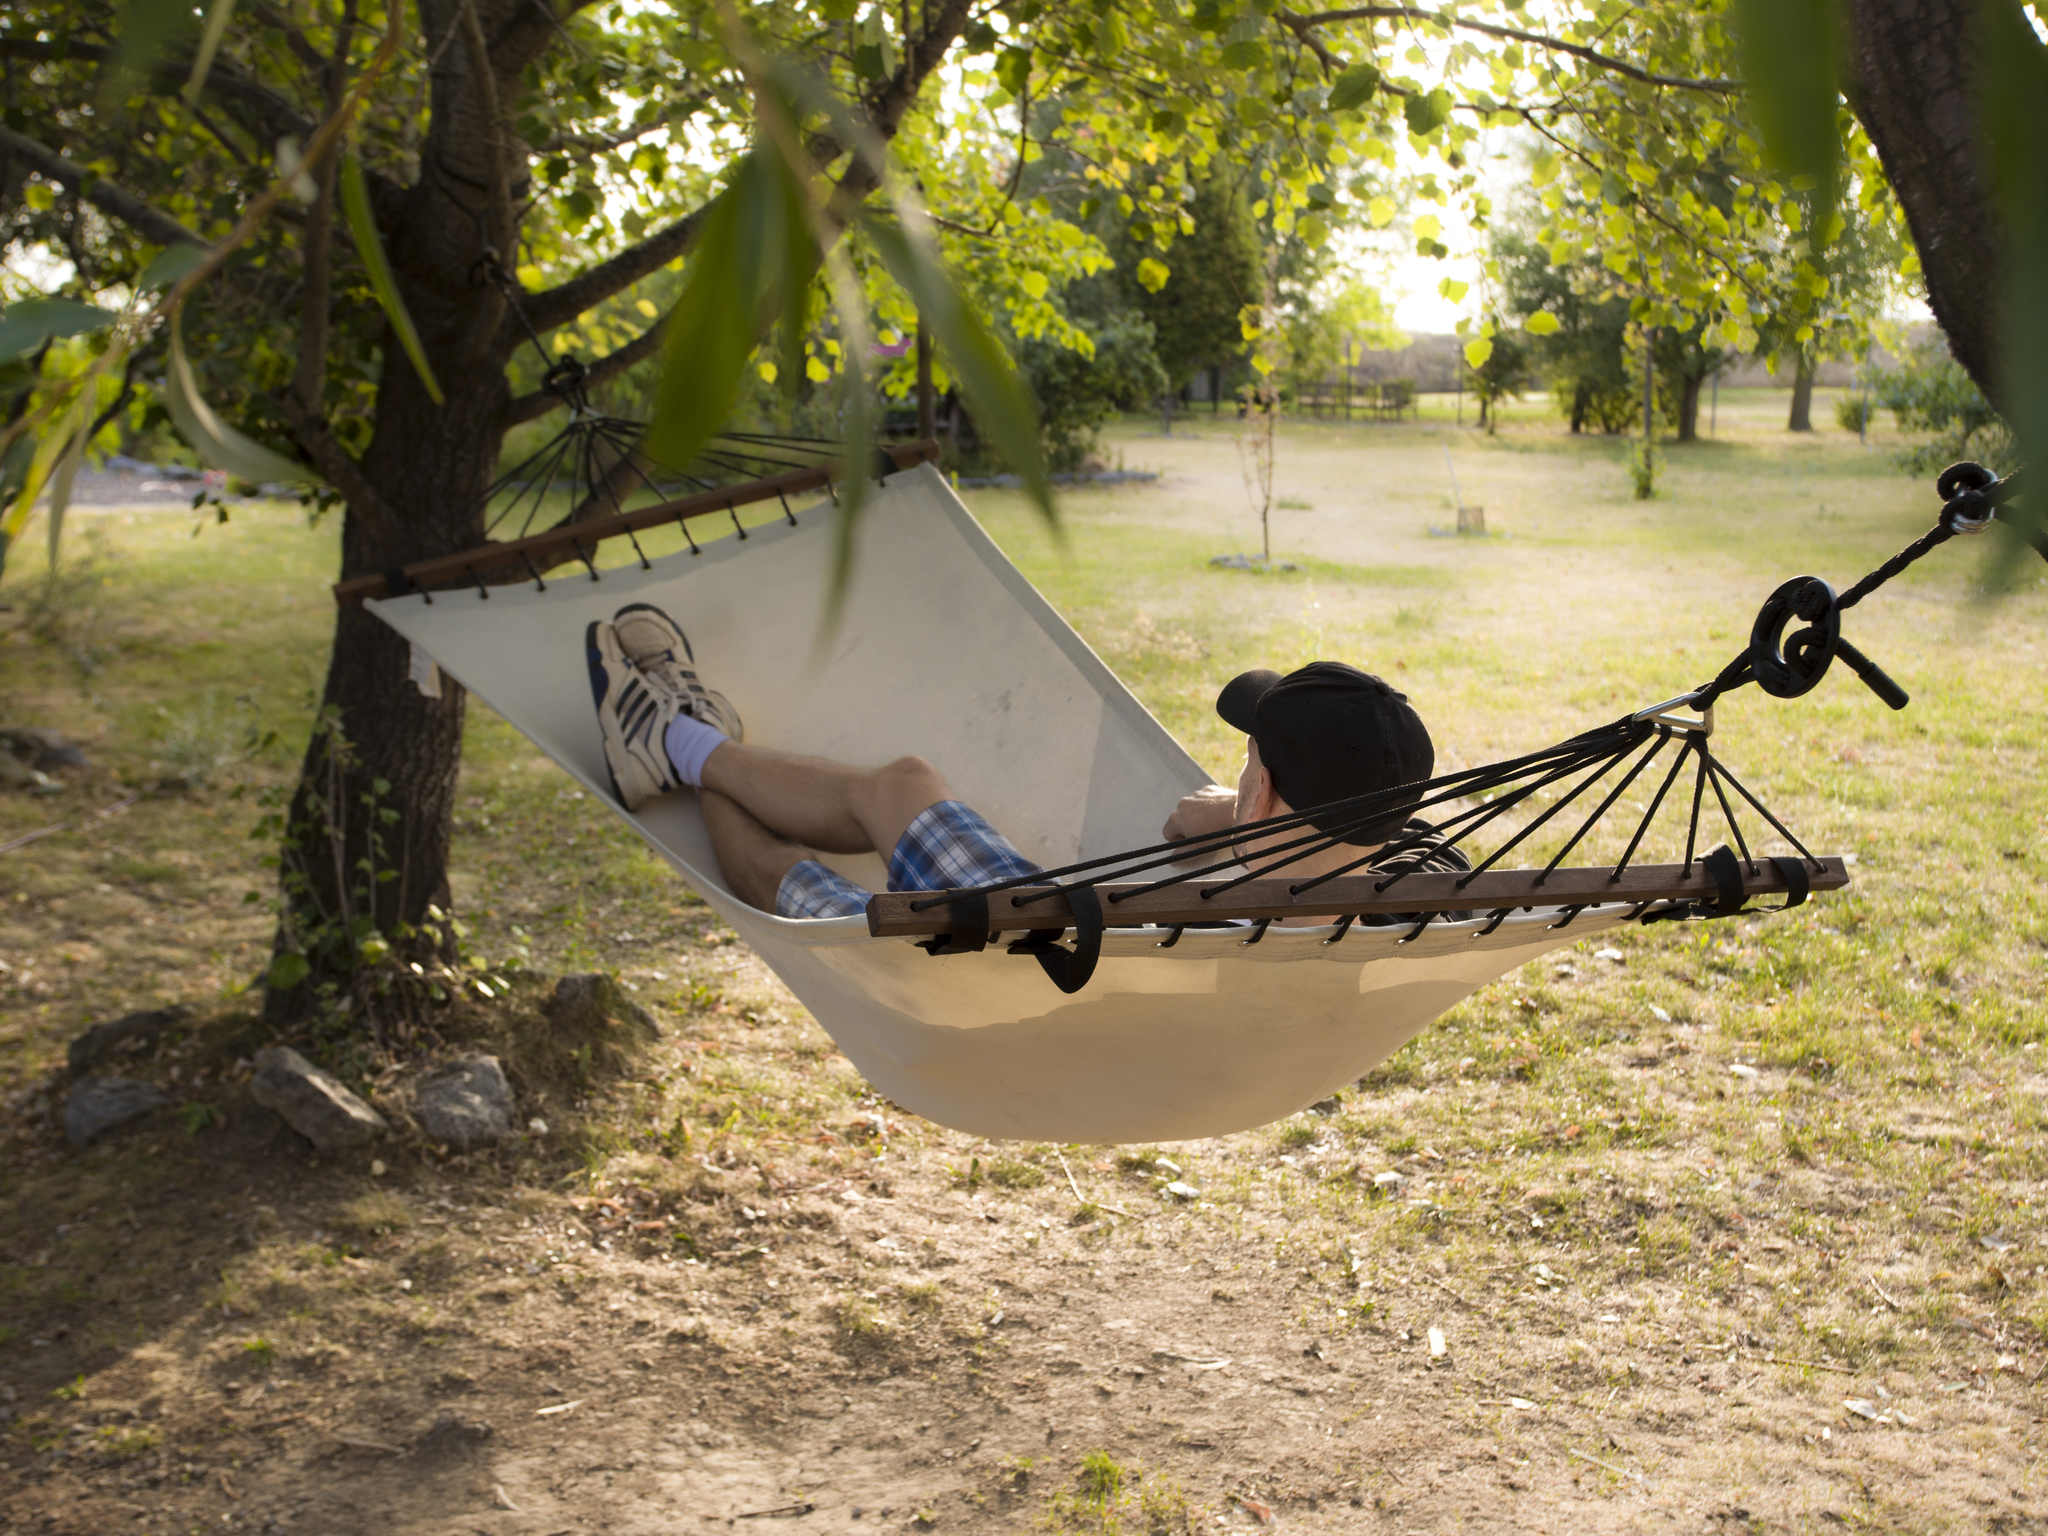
[[1659, 1280]]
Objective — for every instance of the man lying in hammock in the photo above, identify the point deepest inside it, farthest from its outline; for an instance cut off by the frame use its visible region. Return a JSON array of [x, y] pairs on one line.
[[1322, 733]]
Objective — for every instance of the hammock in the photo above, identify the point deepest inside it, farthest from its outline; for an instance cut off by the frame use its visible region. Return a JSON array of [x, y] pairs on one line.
[[1181, 1031]]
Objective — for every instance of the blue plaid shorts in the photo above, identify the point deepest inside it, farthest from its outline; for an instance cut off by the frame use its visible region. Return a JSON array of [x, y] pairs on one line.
[[948, 846]]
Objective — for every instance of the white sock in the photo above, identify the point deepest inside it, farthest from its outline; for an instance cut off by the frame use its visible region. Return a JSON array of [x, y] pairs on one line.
[[688, 741]]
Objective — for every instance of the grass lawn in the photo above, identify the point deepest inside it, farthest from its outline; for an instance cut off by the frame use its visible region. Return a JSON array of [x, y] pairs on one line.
[[1730, 1226]]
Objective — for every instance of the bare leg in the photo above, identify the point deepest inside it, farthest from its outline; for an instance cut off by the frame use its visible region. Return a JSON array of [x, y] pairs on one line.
[[752, 858], [823, 804]]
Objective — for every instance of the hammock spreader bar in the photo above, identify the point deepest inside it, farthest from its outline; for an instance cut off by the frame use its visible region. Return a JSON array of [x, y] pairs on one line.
[[1781, 664], [903, 914]]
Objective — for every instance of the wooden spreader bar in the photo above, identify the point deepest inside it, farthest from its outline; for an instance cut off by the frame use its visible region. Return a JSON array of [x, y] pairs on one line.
[[509, 560], [892, 915]]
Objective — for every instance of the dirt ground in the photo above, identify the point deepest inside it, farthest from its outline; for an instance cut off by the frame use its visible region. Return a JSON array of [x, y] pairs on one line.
[[720, 1285]]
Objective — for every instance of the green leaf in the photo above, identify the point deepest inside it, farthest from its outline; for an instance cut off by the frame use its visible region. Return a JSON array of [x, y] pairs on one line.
[[1477, 351], [1002, 405], [1153, 273], [146, 30], [217, 443], [753, 259], [1013, 69], [874, 50], [362, 224], [2013, 80], [1247, 53], [217, 20], [1788, 52], [287, 971], [1426, 113], [1354, 88], [27, 324], [51, 448], [1541, 323], [169, 265]]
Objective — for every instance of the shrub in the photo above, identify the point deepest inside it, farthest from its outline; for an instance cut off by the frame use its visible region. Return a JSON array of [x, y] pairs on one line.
[[1853, 413], [1930, 392], [1642, 469]]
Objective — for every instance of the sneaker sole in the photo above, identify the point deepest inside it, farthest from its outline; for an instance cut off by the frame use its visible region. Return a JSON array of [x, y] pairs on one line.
[[600, 689]]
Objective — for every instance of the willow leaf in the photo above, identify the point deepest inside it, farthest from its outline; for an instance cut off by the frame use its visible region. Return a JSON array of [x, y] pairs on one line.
[[218, 444], [362, 224], [1002, 404]]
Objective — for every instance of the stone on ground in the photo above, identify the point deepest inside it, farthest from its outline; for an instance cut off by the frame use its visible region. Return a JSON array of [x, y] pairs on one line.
[[467, 1103], [97, 1043], [98, 1104], [313, 1103]]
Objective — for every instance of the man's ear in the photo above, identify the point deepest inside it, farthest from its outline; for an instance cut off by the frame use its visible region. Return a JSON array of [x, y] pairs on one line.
[[1265, 799]]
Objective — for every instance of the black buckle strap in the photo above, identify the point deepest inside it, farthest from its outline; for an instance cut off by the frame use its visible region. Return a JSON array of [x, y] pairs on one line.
[[969, 935], [1069, 969], [1729, 892]]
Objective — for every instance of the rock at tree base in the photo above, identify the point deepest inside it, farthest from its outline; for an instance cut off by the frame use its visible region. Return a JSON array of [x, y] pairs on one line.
[[38, 750], [313, 1102], [97, 1043], [465, 1104], [98, 1104], [592, 1004]]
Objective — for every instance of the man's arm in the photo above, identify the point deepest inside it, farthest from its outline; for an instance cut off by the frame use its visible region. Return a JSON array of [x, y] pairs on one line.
[[1212, 808]]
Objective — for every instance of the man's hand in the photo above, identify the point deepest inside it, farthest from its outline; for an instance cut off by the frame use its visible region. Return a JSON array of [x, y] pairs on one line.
[[1209, 809]]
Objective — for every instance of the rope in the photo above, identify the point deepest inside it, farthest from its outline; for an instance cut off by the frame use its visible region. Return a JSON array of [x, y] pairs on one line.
[[1782, 664]]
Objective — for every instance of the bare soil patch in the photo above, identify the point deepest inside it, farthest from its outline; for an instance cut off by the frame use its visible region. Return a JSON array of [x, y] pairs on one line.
[[721, 1286]]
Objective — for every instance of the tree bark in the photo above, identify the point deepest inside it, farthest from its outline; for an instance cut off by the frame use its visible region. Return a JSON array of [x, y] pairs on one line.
[[1909, 79], [367, 839], [1689, 407], [1801, 418]]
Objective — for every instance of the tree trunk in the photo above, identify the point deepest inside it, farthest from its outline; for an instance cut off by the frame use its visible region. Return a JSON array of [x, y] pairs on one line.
[[1801, 419], [366, 843], [1581, 403], [1689, 407], [1909, 79]]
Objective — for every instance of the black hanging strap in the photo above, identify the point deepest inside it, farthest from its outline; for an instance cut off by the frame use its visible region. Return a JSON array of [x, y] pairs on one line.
[[1726, 871], [1069, 969]]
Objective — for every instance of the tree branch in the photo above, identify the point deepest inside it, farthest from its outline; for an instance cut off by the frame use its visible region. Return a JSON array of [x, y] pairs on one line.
[[528, 31], [150, 222], [559, 305], [606, 368], [310, 377], [256, 109], [497, 185], [1301, 26], [885, 109], [294, 37], [336, 464]]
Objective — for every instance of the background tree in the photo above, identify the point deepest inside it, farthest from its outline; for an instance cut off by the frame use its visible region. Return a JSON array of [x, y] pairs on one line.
[[1583, 362], [1502, 372], [1217, 270]]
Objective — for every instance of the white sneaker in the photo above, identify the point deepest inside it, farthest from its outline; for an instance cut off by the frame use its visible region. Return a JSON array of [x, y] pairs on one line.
[[633, 713], [656, 644]]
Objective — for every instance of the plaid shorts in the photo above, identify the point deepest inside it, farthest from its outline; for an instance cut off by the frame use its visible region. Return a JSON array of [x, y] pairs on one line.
[[947, 847]]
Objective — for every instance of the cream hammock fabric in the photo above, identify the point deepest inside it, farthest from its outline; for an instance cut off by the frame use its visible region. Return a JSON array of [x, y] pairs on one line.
[[946, 651]]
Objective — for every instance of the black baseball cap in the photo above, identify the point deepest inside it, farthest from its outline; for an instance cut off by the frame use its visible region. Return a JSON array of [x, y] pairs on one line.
[[1328, 732]]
